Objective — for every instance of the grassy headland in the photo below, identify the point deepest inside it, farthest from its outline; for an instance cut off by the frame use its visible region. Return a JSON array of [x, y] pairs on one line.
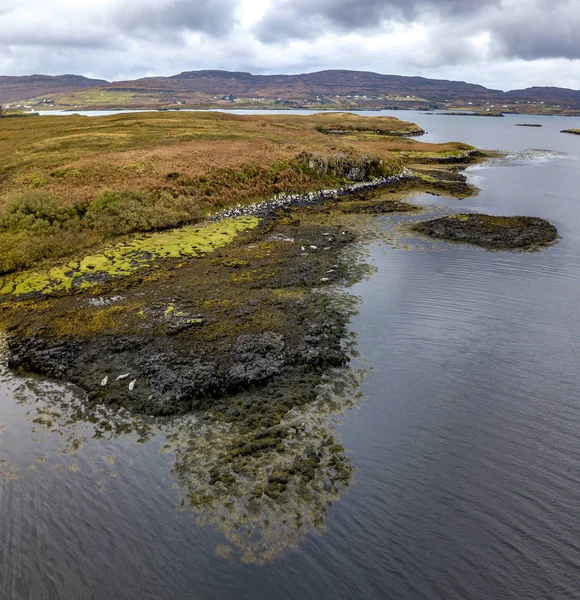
[[90, 206], [69, 184], [100, 251]]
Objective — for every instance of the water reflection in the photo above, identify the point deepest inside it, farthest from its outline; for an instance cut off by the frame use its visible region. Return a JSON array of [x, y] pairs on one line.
[[264, 491]]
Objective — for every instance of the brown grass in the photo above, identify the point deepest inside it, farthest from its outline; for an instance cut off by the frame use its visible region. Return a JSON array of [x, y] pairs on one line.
[[166, 169]]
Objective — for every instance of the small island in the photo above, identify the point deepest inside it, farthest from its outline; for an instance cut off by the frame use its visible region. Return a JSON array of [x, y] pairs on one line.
[[492, 232], [472, 114], [528, 125], [572, 131]]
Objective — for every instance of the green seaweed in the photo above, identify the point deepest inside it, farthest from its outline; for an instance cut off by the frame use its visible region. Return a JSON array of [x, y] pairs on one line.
[[124, 259]]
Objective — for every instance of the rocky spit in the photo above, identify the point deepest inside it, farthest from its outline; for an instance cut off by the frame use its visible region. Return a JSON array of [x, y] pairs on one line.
[[282, 200]]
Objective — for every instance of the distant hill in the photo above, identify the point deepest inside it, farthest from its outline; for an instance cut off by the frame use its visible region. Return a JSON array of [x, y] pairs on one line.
[[551, 95], [13, 89], [332, 88], [323, 83]]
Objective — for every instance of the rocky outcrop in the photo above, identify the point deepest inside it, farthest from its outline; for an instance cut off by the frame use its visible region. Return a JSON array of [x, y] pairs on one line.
[[281, 201], [492, 232]]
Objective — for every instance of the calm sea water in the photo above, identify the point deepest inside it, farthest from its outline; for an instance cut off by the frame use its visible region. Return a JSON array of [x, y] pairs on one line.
[[466, 441]]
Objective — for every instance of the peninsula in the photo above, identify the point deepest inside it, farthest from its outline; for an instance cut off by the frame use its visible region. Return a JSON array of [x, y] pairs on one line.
[[170, 262]]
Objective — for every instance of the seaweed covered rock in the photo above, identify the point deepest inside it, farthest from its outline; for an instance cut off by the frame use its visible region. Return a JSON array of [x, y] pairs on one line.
[[185, 333], [488, 231]]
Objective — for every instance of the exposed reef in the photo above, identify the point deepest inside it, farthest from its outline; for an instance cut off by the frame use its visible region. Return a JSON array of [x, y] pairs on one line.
[[492, 232], [446, 182], [572, 131], [399, 133], [460, 156]]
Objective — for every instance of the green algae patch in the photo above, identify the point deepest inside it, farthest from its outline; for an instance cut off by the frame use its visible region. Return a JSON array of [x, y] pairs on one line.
[[92, 321], [124, 259]]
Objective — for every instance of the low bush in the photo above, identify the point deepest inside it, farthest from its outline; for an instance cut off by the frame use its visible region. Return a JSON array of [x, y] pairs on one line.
[[39, 213], [115, 213], [35, 226]]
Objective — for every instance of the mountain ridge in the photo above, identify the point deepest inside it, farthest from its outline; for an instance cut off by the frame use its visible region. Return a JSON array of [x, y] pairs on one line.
[[331, 87]]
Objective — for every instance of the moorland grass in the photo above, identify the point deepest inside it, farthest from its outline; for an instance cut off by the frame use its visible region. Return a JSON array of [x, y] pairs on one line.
[[74, 182]]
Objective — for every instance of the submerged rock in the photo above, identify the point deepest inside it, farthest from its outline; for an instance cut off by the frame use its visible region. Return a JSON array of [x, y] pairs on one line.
[[488, 231]]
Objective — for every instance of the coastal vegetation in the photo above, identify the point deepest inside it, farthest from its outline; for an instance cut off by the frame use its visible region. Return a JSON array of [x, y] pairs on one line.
[[572, 131], [75, 183]]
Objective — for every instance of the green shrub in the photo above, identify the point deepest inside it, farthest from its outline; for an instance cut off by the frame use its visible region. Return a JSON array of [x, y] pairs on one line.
[[39, 212], [23, 249], [120, 212], [36, 226]]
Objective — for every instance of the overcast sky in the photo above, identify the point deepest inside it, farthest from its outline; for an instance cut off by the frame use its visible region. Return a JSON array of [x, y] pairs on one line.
[[503, 44]]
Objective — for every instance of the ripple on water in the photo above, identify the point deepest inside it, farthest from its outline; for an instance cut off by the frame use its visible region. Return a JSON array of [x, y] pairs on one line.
[[470, 465]]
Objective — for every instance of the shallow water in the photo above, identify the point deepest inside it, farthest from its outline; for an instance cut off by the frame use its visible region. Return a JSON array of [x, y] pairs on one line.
[[466, 442]]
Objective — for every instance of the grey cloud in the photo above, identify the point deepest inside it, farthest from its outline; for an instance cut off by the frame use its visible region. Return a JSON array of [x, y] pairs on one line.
[[214, 17], [526, 29], [542, 29], [54, 38], [114, 25], [303, 19]]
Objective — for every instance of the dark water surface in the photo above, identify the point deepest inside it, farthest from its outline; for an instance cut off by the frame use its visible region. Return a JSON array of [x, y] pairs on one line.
[[466, 442]]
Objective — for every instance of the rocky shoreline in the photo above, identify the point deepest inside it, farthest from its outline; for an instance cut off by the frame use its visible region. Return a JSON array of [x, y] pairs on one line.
[[246, 318], [472, 114], [190, 334], [283, 201], [400, 133]]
